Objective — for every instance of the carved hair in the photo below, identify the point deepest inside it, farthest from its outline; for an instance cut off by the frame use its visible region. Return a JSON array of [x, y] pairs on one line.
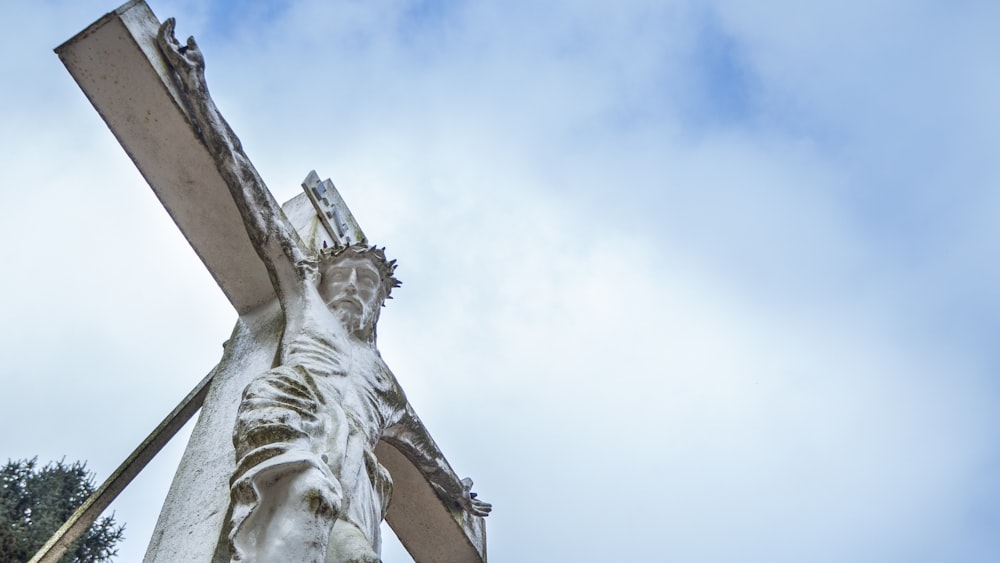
[[374, 255]]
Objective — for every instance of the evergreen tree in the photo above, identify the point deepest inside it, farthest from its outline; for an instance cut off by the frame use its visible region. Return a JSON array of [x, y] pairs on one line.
[[34, 502]]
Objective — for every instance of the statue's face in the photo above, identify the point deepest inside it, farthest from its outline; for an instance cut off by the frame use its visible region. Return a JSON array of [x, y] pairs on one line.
[[352, 288]]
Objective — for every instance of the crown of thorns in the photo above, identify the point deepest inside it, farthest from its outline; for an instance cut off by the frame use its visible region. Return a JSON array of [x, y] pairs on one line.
[[375, 255]]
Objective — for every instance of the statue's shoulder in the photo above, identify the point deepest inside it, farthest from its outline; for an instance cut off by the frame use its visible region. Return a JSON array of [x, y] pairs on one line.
[[383, 369], [390, 389]]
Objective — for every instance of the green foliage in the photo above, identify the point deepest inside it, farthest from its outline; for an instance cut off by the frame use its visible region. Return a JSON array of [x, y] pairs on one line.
[[34, 502]]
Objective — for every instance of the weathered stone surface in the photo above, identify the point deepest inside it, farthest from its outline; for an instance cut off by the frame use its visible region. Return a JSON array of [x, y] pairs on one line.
[[307, 484], [117, 64]]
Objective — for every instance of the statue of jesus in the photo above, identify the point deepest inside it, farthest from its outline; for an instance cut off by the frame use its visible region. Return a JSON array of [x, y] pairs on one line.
[[307, 485]]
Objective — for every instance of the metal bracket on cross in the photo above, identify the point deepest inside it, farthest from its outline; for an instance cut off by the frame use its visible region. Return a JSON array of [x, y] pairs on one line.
[[336, 217]]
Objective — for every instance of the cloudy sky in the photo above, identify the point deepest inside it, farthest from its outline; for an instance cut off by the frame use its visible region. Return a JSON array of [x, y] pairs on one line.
[[694, 281]]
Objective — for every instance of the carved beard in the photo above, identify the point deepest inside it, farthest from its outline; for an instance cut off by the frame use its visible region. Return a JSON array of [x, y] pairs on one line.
[[355, 322]]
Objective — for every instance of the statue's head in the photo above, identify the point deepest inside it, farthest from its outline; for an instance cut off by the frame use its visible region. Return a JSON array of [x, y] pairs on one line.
[[356, 281]]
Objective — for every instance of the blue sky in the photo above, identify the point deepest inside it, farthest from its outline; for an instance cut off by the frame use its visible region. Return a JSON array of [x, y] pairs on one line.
[[688, 281]]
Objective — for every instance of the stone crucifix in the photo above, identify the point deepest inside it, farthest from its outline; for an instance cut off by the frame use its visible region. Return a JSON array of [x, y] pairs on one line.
[[306, 440]]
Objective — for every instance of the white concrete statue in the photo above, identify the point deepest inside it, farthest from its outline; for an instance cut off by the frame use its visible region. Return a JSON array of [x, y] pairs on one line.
[[307, 485]]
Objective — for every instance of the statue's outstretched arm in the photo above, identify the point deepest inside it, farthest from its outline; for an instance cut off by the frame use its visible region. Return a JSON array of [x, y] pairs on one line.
[[411, 438], [275, 239]]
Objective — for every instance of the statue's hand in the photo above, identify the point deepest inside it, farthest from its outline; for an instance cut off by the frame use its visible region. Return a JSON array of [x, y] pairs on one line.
[[186, 60], [470, 503]]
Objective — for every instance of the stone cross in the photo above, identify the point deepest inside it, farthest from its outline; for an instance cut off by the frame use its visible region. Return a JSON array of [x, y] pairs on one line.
[[120, 68]]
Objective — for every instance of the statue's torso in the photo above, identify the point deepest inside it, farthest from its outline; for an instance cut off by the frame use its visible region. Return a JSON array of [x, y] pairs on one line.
[[348, 371]]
